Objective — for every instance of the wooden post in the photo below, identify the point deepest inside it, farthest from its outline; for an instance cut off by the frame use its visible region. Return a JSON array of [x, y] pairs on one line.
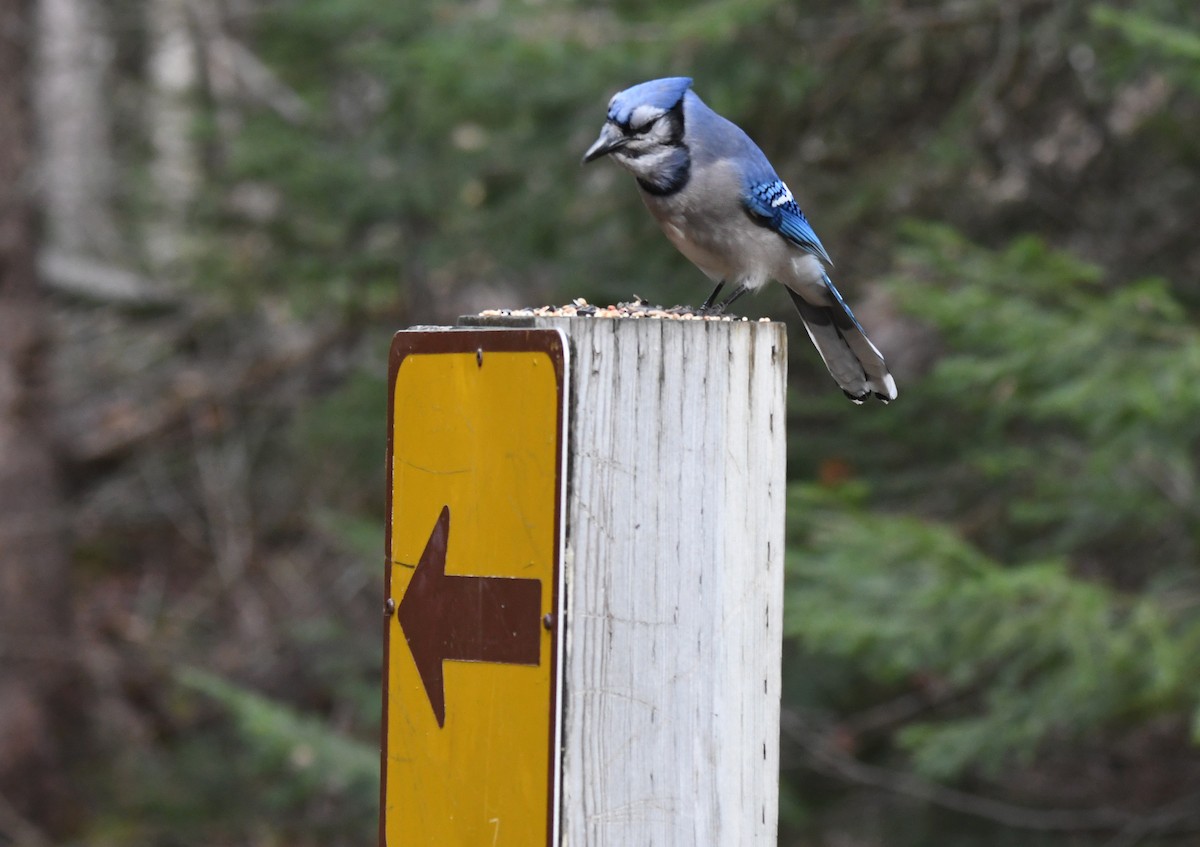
[[674, 580]]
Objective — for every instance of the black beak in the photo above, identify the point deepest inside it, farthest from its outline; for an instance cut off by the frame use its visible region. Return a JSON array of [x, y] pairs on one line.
[[611, 138]]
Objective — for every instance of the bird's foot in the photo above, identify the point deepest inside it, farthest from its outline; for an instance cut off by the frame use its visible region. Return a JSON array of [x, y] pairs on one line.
[[706, 308]]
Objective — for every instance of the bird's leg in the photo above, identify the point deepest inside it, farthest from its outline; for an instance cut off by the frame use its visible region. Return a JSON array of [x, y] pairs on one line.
[[741, 289], [712, 298]]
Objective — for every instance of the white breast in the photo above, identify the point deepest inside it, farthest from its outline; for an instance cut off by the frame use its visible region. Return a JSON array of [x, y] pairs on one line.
[[708, 224]]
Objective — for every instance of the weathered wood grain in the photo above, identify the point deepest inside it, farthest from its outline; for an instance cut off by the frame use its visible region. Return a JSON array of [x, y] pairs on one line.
[[674, 521]]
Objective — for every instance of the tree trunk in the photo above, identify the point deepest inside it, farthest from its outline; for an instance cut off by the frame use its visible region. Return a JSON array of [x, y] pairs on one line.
[[34, 614], [170, 117], [74, 54]]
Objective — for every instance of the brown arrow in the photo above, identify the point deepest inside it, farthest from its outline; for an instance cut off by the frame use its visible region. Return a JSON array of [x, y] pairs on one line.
[[466, 618]]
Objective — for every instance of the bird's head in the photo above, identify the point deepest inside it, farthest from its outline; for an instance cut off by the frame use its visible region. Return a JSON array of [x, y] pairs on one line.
[[644, 126]]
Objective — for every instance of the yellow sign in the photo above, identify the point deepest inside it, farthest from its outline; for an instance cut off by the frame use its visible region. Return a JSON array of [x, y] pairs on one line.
[[472, 646]]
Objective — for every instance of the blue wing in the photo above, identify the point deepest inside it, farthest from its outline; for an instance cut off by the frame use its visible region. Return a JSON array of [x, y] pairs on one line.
[[771, 204]]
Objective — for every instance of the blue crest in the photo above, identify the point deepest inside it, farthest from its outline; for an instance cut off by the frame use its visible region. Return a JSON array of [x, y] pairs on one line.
[[661, 93]]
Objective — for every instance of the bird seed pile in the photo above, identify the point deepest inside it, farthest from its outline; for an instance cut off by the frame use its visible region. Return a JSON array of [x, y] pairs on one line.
[[638, 308]]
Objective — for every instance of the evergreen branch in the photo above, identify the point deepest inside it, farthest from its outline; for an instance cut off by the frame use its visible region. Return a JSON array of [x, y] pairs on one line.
[[271, 725], [1145, 31]]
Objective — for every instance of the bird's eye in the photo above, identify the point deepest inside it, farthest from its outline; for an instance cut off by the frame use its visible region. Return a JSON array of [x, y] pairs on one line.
[[643, 128]]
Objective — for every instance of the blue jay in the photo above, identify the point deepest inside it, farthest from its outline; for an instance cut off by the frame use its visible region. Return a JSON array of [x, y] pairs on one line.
[[722, 205]]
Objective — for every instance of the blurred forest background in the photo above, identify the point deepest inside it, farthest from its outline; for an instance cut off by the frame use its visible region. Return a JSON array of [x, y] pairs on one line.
[[214, 213]]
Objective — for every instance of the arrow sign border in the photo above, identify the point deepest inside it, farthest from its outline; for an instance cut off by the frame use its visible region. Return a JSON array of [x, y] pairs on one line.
[[552, 342]]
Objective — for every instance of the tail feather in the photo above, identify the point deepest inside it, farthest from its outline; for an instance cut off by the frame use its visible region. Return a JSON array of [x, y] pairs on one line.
[[853, 361]]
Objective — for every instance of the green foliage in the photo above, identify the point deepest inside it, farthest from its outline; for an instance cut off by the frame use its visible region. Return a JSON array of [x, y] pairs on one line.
[[1147, 31], [1017, 542], [1160, 38], [1023, 654], [1110, 382], [441, 139], [1063, 411], [1046, 597], [278, 731], [244, 770], [294, 759]]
